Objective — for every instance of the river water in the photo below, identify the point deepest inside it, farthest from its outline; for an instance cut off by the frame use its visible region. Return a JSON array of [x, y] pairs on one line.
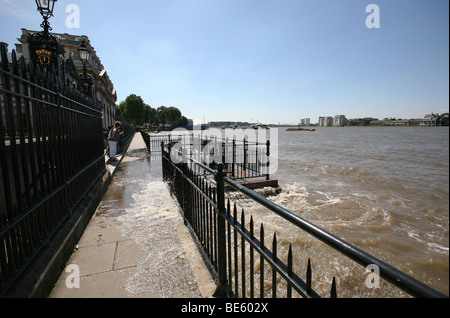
[[383, 189]]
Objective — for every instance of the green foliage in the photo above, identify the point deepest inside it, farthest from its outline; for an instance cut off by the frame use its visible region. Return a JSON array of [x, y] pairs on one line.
[[443, 119], [173, 115], [161, 115], [182, 122], [138, 113], [150, 116], [133, 109]]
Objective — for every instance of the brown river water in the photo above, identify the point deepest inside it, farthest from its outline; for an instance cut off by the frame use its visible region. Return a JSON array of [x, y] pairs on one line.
[[383, 189]]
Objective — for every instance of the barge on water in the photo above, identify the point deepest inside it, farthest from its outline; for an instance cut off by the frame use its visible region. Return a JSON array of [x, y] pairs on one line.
[[301, 129]]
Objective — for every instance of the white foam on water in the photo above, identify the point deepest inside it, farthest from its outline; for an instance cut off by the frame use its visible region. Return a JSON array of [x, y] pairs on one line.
[[437, 248], [172, 267], [330, 199]]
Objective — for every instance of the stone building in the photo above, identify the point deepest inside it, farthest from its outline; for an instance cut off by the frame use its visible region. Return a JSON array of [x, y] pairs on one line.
[[102, 89]]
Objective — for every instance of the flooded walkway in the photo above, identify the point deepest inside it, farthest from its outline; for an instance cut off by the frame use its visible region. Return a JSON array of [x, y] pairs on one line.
[[136, 244]]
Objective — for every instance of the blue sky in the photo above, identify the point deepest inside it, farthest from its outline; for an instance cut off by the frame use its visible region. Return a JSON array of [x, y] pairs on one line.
[[271, 61]]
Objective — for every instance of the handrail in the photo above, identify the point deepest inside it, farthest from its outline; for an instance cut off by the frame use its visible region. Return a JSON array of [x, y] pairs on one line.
[[407, 283]]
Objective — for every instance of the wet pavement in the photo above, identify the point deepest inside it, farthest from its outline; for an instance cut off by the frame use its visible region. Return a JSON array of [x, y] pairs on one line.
[[136, 244]]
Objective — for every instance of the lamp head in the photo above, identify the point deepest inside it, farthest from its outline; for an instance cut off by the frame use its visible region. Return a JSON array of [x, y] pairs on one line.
[[45, 7], [83, 52]]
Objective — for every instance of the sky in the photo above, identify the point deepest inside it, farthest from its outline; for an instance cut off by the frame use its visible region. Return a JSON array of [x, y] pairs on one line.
[[265, 61]]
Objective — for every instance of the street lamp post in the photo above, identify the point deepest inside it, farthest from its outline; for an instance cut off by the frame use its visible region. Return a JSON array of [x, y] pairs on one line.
[[44, 48], [85, 78], [84, 53], [45, 7]]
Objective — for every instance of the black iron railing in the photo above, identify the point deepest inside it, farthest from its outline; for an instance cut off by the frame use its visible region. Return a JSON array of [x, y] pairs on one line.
[[243, 259], [153, 142], [243, 158], [52, 153]]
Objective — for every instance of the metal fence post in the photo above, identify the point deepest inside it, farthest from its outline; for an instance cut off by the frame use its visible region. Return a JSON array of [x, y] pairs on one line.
[[268, 158], [233, 165], [221, 290], [245, 155]]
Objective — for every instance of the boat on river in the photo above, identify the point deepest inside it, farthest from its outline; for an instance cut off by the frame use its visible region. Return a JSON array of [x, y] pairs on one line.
[[300, 129]]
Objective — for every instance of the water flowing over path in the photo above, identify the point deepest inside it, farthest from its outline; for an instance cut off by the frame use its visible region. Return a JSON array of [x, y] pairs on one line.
[[136, 244]]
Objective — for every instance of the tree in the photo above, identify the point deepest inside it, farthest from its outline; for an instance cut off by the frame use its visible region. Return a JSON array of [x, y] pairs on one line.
[[173, 115], [133, 109], [150, 116], [161, 115], [443, 119], [182, 122], [137, 113], [119, 111]]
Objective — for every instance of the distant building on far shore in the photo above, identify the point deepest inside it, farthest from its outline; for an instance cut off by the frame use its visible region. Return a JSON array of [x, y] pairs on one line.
[[366, 121], [339, 121], [336, 121], [325, 121], [429, 120], [305, 122]]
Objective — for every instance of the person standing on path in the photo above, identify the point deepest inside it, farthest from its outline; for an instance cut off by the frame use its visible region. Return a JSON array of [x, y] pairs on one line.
[[113, 139]]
